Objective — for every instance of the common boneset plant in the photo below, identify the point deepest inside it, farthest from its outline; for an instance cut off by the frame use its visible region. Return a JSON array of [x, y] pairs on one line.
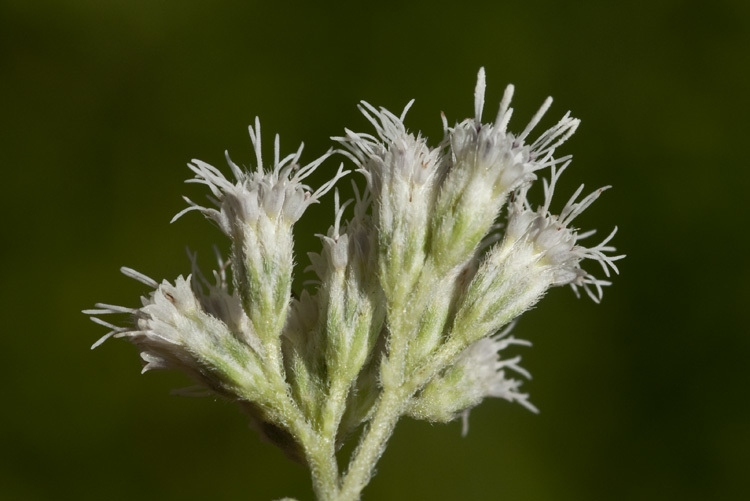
[[416, 291]]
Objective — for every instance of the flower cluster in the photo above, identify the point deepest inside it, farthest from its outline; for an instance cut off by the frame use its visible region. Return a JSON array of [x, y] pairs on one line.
[[414, 297]]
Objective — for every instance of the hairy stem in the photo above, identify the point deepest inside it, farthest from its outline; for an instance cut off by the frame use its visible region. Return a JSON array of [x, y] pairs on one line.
[[389, 409], [371, 447]]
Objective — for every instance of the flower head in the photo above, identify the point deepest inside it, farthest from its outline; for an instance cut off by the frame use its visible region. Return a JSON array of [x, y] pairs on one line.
[[173, 329], [396, 159], [486, 163], [257, 213], [278, 193], [502, 159], [555, 242], [403, 176], [479, 371]]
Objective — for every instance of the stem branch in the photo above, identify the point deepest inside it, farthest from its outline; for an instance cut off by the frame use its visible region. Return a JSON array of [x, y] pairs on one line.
[[390, 408]]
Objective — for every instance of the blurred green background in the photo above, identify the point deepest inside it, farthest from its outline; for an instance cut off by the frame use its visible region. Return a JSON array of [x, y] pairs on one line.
[[103, 102]]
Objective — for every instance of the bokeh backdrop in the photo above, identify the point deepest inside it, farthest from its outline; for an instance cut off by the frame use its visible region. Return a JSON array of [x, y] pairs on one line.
[[103, 102]]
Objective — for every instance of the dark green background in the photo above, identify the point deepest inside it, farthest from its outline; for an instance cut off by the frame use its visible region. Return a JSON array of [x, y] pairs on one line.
[[103, 102]]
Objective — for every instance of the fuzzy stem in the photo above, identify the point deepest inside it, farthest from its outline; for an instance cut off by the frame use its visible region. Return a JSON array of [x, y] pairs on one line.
[[390, 408], [318, 448], [323, 468]]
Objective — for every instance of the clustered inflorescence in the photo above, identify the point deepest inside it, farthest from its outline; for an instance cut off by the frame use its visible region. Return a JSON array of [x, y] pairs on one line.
[[416, 291]]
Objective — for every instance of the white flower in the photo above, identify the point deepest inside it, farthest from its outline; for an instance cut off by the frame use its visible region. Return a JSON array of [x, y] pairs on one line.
[[486, 370], [539, 250], [276, 193], [257, 213], [216, 300], [479, 371], [172, 329], [335, 243], [396, 160], [486, 163], [502, 159], [403, 175], [554, 243]]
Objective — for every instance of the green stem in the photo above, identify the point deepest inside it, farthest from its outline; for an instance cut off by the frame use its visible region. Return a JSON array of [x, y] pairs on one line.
[[321, 452], [318, 448], [390, 408], [323, 468]]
